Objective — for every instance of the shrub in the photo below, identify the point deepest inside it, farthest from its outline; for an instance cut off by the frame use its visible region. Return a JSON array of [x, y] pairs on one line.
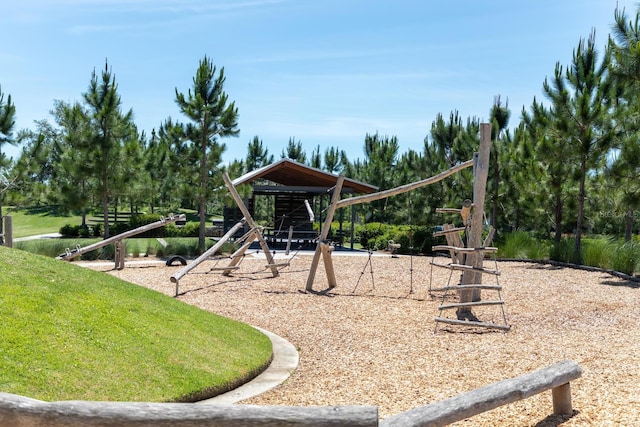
[[563, 250], [597, 252], [626, 258], [368, 233], [522, 245], [69, 230]]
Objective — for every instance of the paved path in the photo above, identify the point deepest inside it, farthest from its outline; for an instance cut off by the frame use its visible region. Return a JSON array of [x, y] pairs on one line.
[[285, 361]]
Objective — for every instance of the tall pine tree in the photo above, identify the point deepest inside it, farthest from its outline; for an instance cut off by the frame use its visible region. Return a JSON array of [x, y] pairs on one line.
[[211, 117]]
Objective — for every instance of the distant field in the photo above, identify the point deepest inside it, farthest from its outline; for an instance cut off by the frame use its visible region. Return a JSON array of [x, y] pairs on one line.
[[38, 220], [48, 219]]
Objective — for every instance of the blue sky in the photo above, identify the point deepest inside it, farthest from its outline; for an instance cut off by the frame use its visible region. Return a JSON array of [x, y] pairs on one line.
[[323, 72]]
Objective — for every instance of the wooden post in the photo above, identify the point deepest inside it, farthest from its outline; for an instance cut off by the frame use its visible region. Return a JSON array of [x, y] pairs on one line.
[[286, 252], [561, 397], [120, 251], [250, 222], [480, 172], [323, 236], [236, 257], [8, 231]]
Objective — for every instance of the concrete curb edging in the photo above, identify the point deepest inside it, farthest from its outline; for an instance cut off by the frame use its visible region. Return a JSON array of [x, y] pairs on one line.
[[285, 361]]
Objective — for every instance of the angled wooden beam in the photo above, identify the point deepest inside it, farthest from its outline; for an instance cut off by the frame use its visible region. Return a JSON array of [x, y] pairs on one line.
[[320, 250], [403, 188], [250, 221]]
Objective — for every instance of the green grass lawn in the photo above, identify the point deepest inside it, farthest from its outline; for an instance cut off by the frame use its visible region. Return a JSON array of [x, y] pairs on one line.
[[38, 220], [70, 333]]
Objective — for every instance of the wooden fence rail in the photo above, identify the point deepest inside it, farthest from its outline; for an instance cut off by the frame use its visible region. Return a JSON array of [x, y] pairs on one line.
[[19, 411], [555, 378]]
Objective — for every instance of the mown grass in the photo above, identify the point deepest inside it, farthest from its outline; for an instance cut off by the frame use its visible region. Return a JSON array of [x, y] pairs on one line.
[[186, 246], [73, 333], [38, 220]]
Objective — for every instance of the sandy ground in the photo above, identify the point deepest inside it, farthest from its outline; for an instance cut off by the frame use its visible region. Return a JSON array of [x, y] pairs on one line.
[[372, 340]]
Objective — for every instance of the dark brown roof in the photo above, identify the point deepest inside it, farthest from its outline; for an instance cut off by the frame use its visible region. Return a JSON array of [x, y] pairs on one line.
[[291, 173]]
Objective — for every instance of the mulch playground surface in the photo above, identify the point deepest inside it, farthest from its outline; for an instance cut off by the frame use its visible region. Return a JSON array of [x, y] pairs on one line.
[[373, 341]]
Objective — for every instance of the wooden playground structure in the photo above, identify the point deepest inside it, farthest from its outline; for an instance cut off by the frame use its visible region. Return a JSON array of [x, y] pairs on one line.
[[467, 258], [119, 241]]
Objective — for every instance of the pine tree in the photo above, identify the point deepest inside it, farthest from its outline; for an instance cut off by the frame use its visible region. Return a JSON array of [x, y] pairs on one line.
[[211, 117], [580, 103], [109, 129], [7, 122]]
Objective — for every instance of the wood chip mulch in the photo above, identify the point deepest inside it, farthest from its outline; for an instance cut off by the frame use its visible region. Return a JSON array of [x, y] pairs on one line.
[[371, 341]]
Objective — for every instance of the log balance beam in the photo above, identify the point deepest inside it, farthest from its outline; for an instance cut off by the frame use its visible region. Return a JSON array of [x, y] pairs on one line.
[[555, 377]]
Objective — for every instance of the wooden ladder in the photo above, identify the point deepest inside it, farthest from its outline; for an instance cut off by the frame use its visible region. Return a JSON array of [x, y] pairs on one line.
[[458, 251]]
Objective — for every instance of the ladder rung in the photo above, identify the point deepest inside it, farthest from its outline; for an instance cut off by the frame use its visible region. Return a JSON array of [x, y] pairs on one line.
[[457, 249], [448, 210], [478, 286], [450, 231], [470, 304], [283, 264], [469, 323], [466, 268]]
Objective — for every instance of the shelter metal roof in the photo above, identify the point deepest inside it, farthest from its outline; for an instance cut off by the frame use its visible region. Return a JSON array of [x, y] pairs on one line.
[[290, 173]]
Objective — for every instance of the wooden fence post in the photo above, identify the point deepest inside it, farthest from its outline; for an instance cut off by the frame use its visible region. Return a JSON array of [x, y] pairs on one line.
[[8, 231]]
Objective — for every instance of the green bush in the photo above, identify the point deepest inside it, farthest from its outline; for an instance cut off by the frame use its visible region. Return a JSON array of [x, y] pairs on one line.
[[597, 252], [69, 230], [562, 251], [367, 234], [522, 245], [626, 258]]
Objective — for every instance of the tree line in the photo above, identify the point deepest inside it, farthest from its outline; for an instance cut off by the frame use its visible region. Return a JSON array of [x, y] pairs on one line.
[[570, 165]]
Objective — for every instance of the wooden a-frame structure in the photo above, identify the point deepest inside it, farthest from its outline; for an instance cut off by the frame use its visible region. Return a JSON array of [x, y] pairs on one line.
[[480, 162]]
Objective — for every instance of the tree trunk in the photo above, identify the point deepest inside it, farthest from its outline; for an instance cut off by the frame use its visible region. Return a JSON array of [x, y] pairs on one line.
[[577, 257], [1, 217], [496, 194], [202, 209], [558, 216], [628, 225], [84, 209]]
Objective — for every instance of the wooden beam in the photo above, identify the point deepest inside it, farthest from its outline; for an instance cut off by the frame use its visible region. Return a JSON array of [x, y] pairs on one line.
[[19, 411], [467, 268], [403, 188], [480, 286], [250, 221], [449, 231], [236, 257], [480, 173], [458, 249], [473, 324], [474, 402], [79, 251], [212, 250], [335, 198], [469, 304]]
